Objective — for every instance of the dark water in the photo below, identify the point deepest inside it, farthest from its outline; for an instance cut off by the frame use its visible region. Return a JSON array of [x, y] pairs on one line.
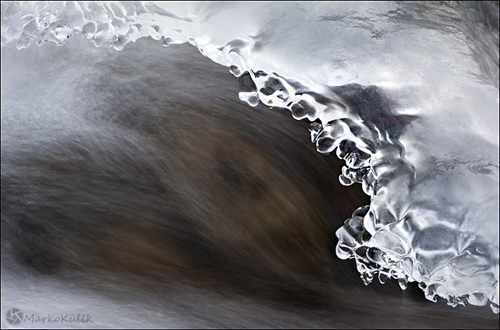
[[138, 191]]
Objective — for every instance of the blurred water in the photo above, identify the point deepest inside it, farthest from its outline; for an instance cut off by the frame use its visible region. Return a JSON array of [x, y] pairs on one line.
[[428, 157]]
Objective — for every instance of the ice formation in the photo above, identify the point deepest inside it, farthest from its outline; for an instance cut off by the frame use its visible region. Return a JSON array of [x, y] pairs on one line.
[[429, 159]]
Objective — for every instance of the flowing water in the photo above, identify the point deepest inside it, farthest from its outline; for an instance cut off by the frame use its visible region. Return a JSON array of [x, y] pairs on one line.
[[405, 93]]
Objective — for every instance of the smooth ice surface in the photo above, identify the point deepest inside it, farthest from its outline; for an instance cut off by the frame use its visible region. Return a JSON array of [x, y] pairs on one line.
[[428, 157]]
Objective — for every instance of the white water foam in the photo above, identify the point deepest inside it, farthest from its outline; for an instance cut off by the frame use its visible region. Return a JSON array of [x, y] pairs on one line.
[[428, 158]]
